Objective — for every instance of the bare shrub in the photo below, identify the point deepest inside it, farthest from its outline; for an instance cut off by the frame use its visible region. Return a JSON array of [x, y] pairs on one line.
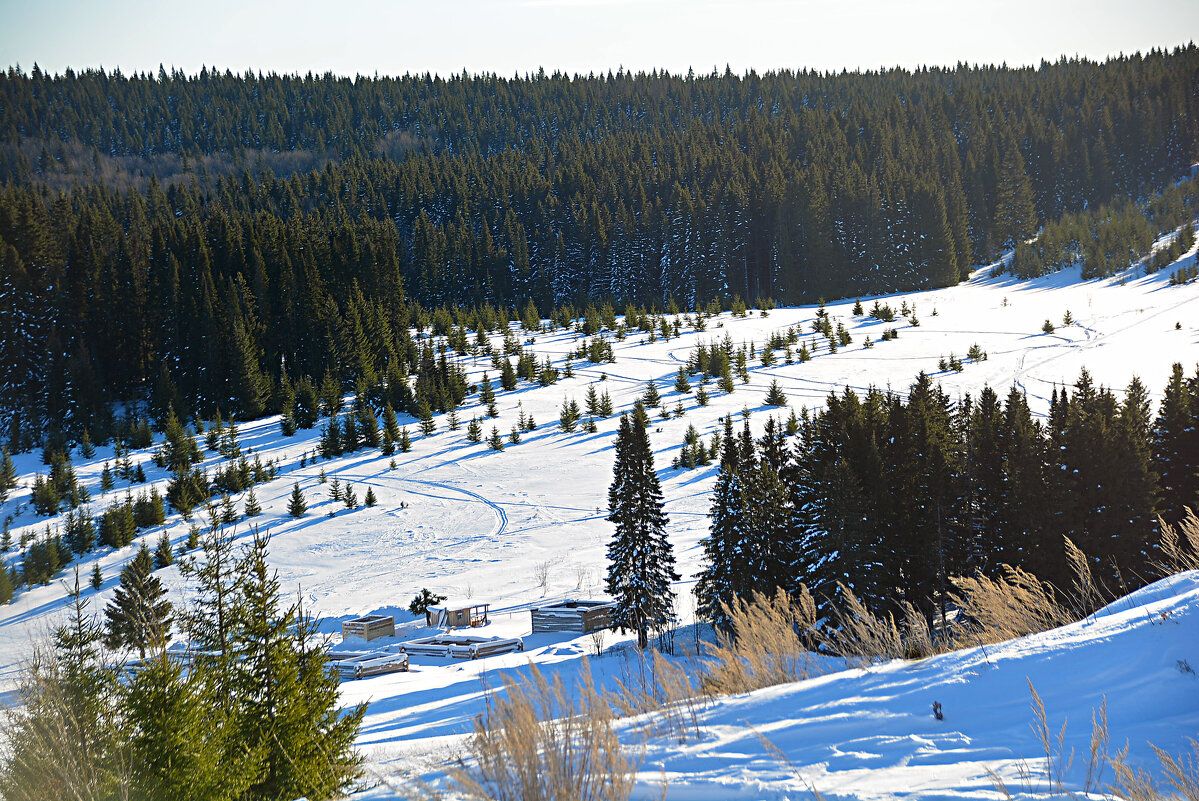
[[539, 741], [859, 634], [541, 574], [597, 641], [768, 641], [1179, 545], [1013, 605]]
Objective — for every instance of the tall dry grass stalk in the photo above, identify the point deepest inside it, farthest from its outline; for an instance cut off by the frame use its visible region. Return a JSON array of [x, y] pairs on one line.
[[1179, 545], [1014, 605], [768, 640], [1087, 597], [1181, 771], [1054, 777], [540, 741]]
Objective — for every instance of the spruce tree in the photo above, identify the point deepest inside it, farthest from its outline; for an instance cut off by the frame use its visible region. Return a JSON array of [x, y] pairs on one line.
[[652, 397], [287, 424], [775, 396], [427, 425], [252, 508], [605, 405], [495, 441], [285, 696], [180, 745], [6, 584], [163, 555], [681, 384], [391, 426], [210, 620], [139, 615], [97, 576], [1173, 460], [640, 558], [590, 401], [297, 506], [370, 499], [725, 567], [486, 393], [8, 474]]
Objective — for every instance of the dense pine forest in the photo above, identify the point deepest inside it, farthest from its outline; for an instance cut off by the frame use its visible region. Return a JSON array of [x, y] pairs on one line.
[[204, 241], [893, 497]]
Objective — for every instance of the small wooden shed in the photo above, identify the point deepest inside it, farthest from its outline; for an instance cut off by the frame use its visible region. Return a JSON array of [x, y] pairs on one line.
[[369, 627], [457, 617], [569, 615]]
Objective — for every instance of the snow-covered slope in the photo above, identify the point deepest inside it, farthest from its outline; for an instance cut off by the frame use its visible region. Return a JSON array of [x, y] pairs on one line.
[[485, 527], [870, 733]]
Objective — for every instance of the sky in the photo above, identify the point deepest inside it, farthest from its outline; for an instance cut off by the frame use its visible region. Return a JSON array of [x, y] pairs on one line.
[[508, 37]]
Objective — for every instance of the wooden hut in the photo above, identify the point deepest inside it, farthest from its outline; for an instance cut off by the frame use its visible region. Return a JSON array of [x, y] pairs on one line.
[[457, 617], [369, 627], [568, 615]]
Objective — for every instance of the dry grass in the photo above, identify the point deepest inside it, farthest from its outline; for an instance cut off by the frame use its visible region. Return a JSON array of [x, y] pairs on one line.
[[1179, 545], [1051, 780], [1087, 597], [1014, 605], [1182, 772], [540, 741], [768, 641], [861, 635]]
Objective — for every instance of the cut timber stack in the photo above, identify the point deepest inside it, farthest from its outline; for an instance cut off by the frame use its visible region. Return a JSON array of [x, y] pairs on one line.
[[369, 627], [361, 666], [575, 616], [462, 646]]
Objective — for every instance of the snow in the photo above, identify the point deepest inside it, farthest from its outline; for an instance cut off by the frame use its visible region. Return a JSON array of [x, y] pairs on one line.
[[482, 527]]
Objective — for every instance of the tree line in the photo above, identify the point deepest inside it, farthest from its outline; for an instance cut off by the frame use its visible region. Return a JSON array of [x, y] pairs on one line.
[[892, 496], [481, 192]]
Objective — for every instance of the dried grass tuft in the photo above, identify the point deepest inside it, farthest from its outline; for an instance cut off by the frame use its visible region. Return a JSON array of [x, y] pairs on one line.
[[768, 641], [860, 634], [1179, 545], [1013, 605], [540, 741]]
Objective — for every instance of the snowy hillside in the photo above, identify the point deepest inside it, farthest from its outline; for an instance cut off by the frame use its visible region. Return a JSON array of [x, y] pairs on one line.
[[518, 527], [869, 733]]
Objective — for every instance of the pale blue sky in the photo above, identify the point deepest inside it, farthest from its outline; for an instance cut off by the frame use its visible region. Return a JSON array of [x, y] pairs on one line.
[[510, 36]]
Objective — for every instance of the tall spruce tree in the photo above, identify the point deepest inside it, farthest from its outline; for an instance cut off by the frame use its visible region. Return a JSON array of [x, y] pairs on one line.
[[726, 568], [1174, 446], [640, 557], [287, 698]]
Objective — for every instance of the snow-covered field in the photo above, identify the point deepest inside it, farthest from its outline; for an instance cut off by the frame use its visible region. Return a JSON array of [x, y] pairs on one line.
[[486, 527]]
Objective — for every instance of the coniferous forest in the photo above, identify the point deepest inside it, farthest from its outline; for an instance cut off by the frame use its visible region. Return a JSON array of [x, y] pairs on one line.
[[215, 241], [894, 496]]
